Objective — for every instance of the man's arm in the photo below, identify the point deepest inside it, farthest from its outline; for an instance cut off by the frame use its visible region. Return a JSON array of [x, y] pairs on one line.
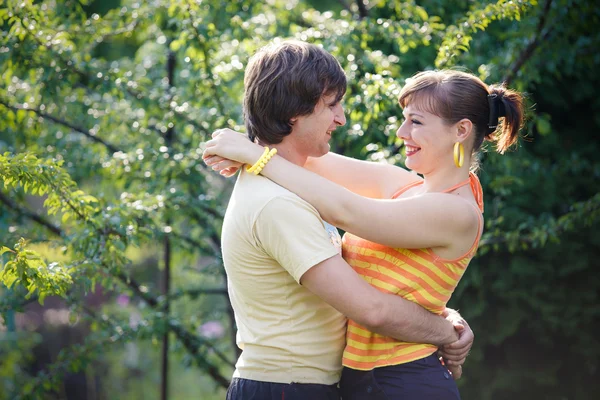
[[337, 284], [291, 232]]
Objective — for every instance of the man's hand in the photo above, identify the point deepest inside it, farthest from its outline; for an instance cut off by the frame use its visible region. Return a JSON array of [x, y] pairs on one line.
[[455, 354]]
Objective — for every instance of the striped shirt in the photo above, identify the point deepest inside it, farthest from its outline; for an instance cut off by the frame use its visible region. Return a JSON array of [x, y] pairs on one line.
[[418, 275]]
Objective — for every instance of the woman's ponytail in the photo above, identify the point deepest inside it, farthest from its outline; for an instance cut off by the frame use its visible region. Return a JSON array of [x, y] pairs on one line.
[[506, 117]]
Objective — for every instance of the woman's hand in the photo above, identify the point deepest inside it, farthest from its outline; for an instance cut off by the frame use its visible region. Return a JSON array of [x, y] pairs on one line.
[[230, 145], [223, 166]]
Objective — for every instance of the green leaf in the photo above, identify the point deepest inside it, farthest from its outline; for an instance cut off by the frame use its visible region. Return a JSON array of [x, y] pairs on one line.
[[4, 249]]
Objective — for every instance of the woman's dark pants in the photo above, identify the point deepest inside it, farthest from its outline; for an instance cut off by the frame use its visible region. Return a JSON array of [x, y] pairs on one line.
[[424, 379]]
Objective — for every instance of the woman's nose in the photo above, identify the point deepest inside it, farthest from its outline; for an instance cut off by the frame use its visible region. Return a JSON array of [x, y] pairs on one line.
[[403, 132]]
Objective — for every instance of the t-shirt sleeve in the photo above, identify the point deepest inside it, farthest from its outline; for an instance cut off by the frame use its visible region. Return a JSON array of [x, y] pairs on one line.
[[291, 231]]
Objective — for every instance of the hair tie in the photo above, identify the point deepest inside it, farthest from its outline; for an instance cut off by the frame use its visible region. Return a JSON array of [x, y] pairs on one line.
[[497, 110]]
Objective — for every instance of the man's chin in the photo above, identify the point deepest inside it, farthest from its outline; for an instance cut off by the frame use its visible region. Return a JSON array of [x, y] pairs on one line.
[[322, 151]]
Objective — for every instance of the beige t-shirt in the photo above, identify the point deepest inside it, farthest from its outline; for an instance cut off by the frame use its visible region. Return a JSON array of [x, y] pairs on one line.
[[270, 238]]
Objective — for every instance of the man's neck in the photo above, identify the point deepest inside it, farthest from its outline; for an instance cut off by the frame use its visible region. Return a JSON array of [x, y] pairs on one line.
[[289, 152]]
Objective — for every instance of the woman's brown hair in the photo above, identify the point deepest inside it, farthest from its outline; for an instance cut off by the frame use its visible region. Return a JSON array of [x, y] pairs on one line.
[[495, 111]]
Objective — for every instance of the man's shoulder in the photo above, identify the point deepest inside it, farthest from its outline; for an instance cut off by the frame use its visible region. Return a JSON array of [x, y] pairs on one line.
[[259, 191]]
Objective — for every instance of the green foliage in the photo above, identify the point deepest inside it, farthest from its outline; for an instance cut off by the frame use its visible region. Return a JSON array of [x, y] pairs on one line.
[[104, 109], [16, 352], [29, 270], [40, 178], [458, 37]]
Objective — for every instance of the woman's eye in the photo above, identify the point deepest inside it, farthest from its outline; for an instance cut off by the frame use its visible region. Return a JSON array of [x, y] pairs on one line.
[[414, 121]]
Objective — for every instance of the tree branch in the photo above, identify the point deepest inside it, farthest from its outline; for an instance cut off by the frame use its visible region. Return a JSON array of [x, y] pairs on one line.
[[198, 291], [26, 213], [532, 46], [169, 138], [362, 10], [345, 5], [59, 121]]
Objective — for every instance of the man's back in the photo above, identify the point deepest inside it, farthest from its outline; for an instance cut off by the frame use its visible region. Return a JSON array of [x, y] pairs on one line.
[[270, 238]]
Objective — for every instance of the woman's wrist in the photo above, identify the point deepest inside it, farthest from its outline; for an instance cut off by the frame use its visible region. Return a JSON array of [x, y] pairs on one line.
[[254, 152]]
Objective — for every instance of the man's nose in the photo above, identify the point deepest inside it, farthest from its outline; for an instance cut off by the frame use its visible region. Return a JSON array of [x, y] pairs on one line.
[[340, 116]]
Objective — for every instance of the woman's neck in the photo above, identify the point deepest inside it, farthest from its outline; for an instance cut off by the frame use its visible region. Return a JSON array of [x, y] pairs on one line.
[[443, 179]]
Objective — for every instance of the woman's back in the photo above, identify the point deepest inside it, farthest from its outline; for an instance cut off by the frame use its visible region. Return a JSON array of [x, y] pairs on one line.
[[418, 275]]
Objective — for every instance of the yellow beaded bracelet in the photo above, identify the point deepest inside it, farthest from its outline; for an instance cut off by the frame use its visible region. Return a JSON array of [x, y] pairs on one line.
[[253, 167], [262, 161]]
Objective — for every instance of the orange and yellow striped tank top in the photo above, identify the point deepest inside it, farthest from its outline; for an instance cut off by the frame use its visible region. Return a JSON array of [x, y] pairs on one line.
[[418, 275]]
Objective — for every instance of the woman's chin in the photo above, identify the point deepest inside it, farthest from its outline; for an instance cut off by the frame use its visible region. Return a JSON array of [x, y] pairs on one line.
[[414, 167], [410, 164]]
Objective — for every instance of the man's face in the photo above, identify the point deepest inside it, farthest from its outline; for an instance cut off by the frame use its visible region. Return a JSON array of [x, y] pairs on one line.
[[311, 133]]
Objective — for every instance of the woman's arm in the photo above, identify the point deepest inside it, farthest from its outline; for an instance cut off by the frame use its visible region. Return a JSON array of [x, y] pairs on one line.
[[431, 220], [367, 178]]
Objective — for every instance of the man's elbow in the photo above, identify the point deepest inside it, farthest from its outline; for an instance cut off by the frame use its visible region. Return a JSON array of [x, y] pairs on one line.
[[374, 322], [378, 319]]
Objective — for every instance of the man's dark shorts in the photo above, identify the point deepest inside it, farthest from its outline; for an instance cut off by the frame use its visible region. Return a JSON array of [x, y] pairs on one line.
[[247, 389]]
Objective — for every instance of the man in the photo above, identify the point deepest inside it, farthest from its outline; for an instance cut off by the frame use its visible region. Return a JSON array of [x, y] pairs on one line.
[[289, 286]]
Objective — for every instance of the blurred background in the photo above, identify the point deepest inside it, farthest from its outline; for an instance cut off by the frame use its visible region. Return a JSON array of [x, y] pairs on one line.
[[117, 289]]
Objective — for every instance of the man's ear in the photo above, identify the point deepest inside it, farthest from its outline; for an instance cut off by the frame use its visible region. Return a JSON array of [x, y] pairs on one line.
[[293, 120]]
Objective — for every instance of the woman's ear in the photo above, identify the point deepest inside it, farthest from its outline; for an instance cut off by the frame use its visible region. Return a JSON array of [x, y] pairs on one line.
[[464, 128]]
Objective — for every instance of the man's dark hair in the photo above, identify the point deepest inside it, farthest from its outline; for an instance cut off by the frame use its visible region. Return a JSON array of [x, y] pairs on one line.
[[284, 81]]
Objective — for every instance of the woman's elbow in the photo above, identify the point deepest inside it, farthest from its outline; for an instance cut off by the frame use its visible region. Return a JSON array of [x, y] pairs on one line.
[[340, 216]]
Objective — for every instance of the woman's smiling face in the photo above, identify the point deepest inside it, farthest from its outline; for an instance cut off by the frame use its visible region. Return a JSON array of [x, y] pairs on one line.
[[428, 140]]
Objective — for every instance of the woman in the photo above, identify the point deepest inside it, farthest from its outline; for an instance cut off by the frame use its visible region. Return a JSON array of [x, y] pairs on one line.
[[406, 235]]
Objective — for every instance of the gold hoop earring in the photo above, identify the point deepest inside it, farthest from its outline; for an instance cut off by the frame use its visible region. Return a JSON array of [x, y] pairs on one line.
[[459, 154]]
